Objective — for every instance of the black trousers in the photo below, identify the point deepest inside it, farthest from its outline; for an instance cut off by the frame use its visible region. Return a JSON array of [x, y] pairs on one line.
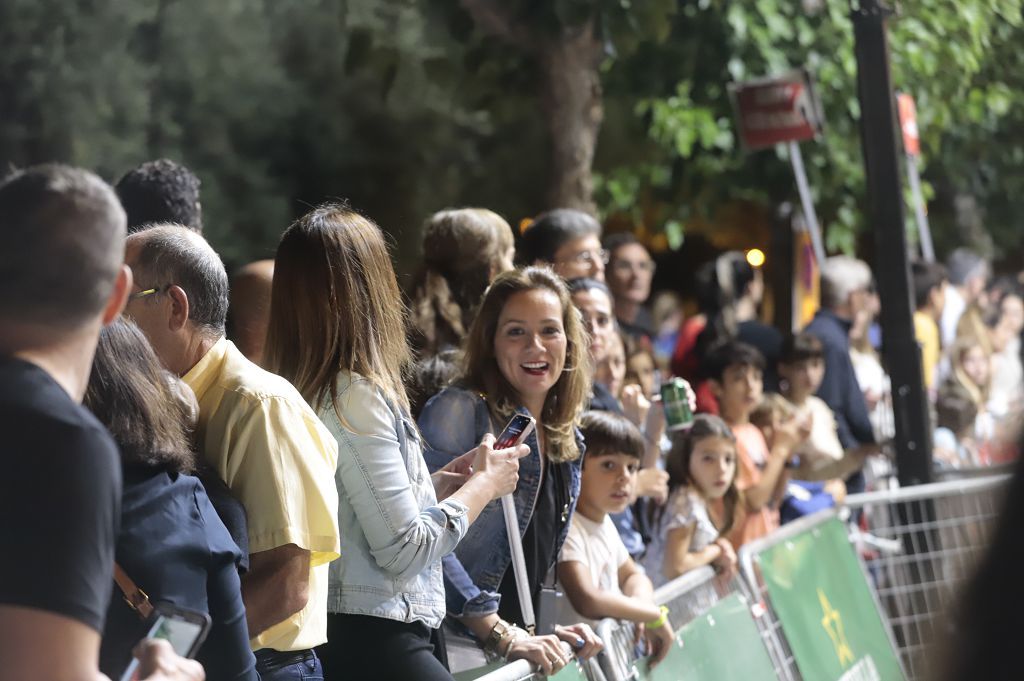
[[364, 647]]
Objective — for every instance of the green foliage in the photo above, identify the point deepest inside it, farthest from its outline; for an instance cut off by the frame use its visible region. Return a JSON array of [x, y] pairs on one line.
[[945, 54]]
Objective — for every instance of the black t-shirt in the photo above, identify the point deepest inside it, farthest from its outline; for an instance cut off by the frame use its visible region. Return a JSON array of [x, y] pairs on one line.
[[60, 499], [540, 541]]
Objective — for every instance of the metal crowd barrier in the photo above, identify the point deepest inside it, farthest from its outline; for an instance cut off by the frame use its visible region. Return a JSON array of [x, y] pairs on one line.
[[919, 544], [521, 670], [768, 622]]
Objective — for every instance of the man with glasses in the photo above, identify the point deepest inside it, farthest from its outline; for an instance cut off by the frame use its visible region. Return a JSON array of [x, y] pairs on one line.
[[261, 438], [629, 274], [568, 240]]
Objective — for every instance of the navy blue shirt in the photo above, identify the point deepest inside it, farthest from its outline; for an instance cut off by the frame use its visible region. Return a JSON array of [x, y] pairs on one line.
[[839, 389], [175, 547]]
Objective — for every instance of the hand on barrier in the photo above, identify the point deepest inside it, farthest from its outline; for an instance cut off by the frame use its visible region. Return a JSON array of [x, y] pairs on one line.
[[585, 643], [158, 662], [544, 652], [726, 563], [659, 642]]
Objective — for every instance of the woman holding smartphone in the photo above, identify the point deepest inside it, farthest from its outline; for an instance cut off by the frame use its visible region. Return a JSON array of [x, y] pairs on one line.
[[525, 354], [337, 332], [171, 544]]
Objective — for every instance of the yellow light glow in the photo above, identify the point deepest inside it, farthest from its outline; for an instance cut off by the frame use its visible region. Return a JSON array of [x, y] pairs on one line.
[[755, 256]]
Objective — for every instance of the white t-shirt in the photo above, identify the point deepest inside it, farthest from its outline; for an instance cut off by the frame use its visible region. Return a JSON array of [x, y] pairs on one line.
[[683, 508], [598, 546]]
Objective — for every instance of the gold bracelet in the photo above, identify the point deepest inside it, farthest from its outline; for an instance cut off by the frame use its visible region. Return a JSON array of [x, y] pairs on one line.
[[661, 621]]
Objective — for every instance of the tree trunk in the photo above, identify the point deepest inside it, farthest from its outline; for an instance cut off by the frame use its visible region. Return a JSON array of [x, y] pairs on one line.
[[572, 100]]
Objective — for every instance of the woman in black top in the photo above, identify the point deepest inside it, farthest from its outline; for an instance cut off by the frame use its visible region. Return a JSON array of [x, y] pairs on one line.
[[171, 543]]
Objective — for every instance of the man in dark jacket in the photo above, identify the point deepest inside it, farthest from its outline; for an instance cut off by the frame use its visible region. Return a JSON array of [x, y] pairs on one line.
[[845, 291]]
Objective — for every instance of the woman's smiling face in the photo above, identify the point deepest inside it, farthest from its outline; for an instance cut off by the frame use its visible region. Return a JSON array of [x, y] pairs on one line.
[[530, 343]]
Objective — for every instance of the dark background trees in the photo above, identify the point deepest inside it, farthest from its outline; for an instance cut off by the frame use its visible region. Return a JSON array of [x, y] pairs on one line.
[[404, 107]]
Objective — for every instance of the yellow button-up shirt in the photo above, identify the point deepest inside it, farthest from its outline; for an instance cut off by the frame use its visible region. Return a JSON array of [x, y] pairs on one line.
[[926, 330], [279, 461]]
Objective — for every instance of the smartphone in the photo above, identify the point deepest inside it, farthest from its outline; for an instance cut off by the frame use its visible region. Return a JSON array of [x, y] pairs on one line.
[[518, 428], [184, 629]]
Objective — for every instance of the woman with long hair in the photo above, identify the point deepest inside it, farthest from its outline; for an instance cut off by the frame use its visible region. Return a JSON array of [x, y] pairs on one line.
[[526, 353], [337, 332], [171, 543], [463, 250]]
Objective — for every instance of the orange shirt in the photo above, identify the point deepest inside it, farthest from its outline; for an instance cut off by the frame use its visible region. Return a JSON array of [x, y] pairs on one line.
[[751, 455]]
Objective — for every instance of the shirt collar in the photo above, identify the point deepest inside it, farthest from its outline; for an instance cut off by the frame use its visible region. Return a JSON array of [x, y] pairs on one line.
[[205, 372]]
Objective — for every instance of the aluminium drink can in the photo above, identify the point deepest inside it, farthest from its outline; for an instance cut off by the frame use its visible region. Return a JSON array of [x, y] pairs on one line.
[[676, 403]]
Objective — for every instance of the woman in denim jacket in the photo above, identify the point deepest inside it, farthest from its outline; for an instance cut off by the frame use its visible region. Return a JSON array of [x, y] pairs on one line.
[[526, 353], [337, 332]]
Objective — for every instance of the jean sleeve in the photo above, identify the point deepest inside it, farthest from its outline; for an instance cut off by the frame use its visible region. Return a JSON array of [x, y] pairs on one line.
[[463, 598], [372, 473]]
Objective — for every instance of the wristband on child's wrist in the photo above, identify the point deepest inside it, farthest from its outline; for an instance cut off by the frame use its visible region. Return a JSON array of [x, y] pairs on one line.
[[660, 621]]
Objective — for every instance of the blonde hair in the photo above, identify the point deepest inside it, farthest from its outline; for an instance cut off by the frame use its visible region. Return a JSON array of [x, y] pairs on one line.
[[461, 250], [771, 406], [566, 399], [336, 306], [977, 393]]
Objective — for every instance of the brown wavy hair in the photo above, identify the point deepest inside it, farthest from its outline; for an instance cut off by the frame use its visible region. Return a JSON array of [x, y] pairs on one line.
[[567, 397], [461, 248], [131, 394], [335, 306]]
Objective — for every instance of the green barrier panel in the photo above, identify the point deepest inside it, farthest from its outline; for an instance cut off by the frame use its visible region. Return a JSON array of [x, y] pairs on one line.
[[721, 644], [823, 601]]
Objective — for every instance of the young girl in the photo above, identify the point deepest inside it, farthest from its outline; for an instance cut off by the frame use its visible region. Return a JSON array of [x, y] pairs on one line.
[[688, 531]]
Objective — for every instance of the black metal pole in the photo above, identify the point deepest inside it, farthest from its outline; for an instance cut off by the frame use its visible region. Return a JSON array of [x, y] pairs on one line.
[[878, 124]]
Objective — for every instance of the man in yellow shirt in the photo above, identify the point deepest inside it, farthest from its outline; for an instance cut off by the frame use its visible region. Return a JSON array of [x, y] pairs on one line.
[[259, 435], [930, 281]]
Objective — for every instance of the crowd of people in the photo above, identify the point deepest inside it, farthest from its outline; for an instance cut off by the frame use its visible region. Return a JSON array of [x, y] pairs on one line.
[[305, 453]]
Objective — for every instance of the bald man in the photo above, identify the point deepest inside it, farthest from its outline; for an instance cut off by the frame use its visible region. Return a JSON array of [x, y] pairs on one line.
[[249, 312]]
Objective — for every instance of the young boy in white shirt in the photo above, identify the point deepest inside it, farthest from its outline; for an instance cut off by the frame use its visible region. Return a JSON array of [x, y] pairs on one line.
[[596, 573]]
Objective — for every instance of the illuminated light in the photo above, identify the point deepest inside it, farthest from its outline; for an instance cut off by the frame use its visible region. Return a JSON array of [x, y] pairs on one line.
[[755, 256]]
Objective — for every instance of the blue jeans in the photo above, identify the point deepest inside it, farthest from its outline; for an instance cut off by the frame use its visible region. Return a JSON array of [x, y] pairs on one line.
[[293, 666]]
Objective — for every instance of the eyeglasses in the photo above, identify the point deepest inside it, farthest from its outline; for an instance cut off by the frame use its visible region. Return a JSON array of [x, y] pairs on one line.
[[147, 292], [588, 257], [624, 266]]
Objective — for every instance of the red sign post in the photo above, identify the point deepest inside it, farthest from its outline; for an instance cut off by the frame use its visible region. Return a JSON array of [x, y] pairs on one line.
[[782, 110], [777, 110], [912, 148]]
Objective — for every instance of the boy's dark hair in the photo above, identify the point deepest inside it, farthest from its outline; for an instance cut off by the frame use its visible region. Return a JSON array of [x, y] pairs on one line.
[[731, 353], [926, 276], [160, 191], [608, 433], [799, 347], [954, 411], [550, 231]]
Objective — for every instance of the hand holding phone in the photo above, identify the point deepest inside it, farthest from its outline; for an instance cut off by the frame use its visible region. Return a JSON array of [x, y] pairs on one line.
[[184, 630], [502, 466]]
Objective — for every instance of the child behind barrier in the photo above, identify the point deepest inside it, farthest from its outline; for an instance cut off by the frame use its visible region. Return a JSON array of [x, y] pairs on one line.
[[595, 570], [688, 531]]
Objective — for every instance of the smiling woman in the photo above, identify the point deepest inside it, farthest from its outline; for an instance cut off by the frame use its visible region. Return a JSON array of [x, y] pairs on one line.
[[526, 353]]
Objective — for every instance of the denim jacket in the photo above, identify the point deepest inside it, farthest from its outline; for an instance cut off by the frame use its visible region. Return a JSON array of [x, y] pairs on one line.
[[393, 531], [453, 422]]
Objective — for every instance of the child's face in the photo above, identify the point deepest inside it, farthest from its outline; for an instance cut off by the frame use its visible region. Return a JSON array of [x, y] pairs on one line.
[[804, 377], [713, 466], [609, 484], [975, 364], [739, 391], [640, 367]]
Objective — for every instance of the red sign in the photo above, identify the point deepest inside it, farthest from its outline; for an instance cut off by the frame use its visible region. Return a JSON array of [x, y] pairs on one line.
[[908, 124], [775, 110]]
